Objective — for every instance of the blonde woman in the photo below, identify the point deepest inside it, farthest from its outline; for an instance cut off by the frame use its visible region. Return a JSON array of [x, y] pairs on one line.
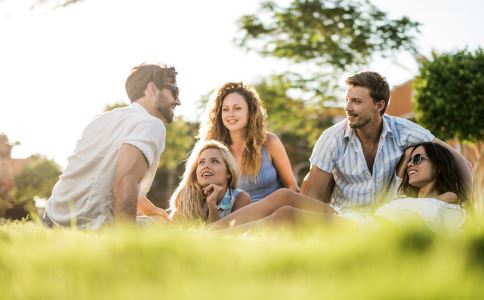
[[208, 189], [237, 118]]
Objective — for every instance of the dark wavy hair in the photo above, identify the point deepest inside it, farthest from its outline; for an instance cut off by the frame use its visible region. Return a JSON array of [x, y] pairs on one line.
[[214, 129], [447, 173]]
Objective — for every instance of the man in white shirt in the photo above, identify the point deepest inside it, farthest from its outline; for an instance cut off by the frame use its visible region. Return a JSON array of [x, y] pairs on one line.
[[115, 160], [353, 162]]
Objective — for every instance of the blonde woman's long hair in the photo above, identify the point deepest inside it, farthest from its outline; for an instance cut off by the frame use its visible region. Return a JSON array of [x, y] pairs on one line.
[[188, 199], [213, 128]]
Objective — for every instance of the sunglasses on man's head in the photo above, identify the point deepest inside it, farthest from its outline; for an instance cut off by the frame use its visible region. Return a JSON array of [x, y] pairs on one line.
[[175, 91], [416, 159]]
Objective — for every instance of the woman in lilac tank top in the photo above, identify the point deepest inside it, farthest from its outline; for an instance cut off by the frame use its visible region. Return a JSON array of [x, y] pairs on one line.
[[237, 118]]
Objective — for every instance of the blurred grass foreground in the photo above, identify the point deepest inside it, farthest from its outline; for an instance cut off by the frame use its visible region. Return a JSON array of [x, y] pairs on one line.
[[162, 262]]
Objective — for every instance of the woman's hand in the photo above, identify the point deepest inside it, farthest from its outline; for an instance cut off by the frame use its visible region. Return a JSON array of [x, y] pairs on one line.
[[402, 164], [214, 194]]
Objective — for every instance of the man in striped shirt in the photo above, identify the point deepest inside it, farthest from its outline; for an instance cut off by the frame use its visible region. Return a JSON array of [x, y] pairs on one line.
[[353, 162]]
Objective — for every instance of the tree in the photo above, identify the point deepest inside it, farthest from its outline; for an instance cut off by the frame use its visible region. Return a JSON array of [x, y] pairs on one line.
[[448, 95], [449, 100], [341, 34], [35, 180]]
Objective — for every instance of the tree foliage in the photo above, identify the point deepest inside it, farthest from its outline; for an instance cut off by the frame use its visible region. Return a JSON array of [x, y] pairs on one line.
[[449, 95], [36, 179], [341, 34], [180, 139], [289, 115], [334, 32]]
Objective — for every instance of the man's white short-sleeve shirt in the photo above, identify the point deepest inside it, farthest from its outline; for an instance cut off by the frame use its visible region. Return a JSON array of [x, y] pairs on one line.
[[338, 151], [84, 191]]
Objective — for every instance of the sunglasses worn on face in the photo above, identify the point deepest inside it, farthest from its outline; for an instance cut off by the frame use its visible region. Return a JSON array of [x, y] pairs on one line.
[[175, 91], [416, 159]]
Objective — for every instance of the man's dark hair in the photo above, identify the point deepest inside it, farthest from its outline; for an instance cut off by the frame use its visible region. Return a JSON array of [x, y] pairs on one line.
[[377, 84], [141, 75]]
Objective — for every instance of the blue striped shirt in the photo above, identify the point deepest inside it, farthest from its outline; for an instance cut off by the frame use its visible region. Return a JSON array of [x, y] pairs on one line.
[[338, 151]]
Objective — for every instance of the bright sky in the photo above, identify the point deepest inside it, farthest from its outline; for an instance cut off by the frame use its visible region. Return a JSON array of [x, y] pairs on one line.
[[59, 68]]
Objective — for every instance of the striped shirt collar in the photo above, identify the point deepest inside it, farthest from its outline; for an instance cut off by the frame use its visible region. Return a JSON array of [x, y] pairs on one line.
[[351, 132]]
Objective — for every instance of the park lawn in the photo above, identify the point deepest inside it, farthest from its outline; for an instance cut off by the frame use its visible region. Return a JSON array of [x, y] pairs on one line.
[[161, 262]]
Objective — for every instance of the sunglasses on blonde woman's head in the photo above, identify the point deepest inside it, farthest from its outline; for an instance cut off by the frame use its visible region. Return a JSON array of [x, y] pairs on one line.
[[416, 159]]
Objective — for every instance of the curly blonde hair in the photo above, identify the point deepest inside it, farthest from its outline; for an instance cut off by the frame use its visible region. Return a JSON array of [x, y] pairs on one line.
[[188, 199], [213, 128]]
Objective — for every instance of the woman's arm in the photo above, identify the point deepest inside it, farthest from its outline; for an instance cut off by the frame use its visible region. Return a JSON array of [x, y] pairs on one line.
[[242, 200], [279, 157], [131, 165], [147, 208]]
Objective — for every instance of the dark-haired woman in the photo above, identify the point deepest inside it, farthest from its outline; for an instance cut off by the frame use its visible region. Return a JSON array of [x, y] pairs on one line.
[[431, 190], [237, 118]]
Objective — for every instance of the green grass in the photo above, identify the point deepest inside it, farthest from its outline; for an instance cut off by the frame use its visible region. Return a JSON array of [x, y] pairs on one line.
[[161, 262]]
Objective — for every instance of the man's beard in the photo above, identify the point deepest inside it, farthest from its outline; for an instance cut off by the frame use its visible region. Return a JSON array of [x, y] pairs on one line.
[[362, 121], [164, 107]]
